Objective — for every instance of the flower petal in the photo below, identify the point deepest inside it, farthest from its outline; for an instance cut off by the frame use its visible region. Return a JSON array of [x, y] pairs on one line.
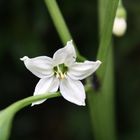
[[65, 55], [40, 66], [45, 85], [72, 91], [79, 71]]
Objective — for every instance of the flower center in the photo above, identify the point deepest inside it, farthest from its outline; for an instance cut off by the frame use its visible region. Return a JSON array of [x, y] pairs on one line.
[[60, 71]]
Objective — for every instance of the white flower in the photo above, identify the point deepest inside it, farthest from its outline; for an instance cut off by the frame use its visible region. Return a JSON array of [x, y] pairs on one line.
[[63, 72], [119, 27]]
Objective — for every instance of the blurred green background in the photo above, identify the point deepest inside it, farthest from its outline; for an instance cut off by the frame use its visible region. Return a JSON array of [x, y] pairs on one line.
[[27, 29]]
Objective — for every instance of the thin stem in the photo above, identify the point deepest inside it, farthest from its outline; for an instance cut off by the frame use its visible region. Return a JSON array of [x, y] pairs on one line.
[[7, 114], [58, 20], [15, 107], [60, 24], [120, 3]]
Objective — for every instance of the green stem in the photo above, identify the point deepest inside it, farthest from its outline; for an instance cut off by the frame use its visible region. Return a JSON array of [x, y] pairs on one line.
[[7, 114], [120, 3], [58, 20], [60, 24], [15, 107], [101, 103], [106, 18]]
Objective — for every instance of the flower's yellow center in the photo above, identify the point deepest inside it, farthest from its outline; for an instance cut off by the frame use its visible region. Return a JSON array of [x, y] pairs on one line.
[[60, 71]]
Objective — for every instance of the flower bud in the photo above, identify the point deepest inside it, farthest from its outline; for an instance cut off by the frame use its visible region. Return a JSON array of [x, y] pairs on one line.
[[120, 25]]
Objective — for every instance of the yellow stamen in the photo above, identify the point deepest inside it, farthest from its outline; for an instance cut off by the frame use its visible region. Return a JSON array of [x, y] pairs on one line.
[[62, 76]]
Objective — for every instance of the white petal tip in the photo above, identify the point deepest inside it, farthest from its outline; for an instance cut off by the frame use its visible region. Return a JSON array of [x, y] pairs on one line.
[[38, 102], [99, 62], [24, 58], [33, 104], [69, 42], [81, 103]]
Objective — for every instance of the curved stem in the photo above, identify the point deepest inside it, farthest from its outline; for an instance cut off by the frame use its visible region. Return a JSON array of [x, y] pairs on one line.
[[15, 107], [7, 114]]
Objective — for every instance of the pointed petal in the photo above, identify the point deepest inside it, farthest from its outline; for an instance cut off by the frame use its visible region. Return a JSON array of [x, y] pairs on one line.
[[73, 91], [79, 71], [40, 66], [46, 85], [65, 55]]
